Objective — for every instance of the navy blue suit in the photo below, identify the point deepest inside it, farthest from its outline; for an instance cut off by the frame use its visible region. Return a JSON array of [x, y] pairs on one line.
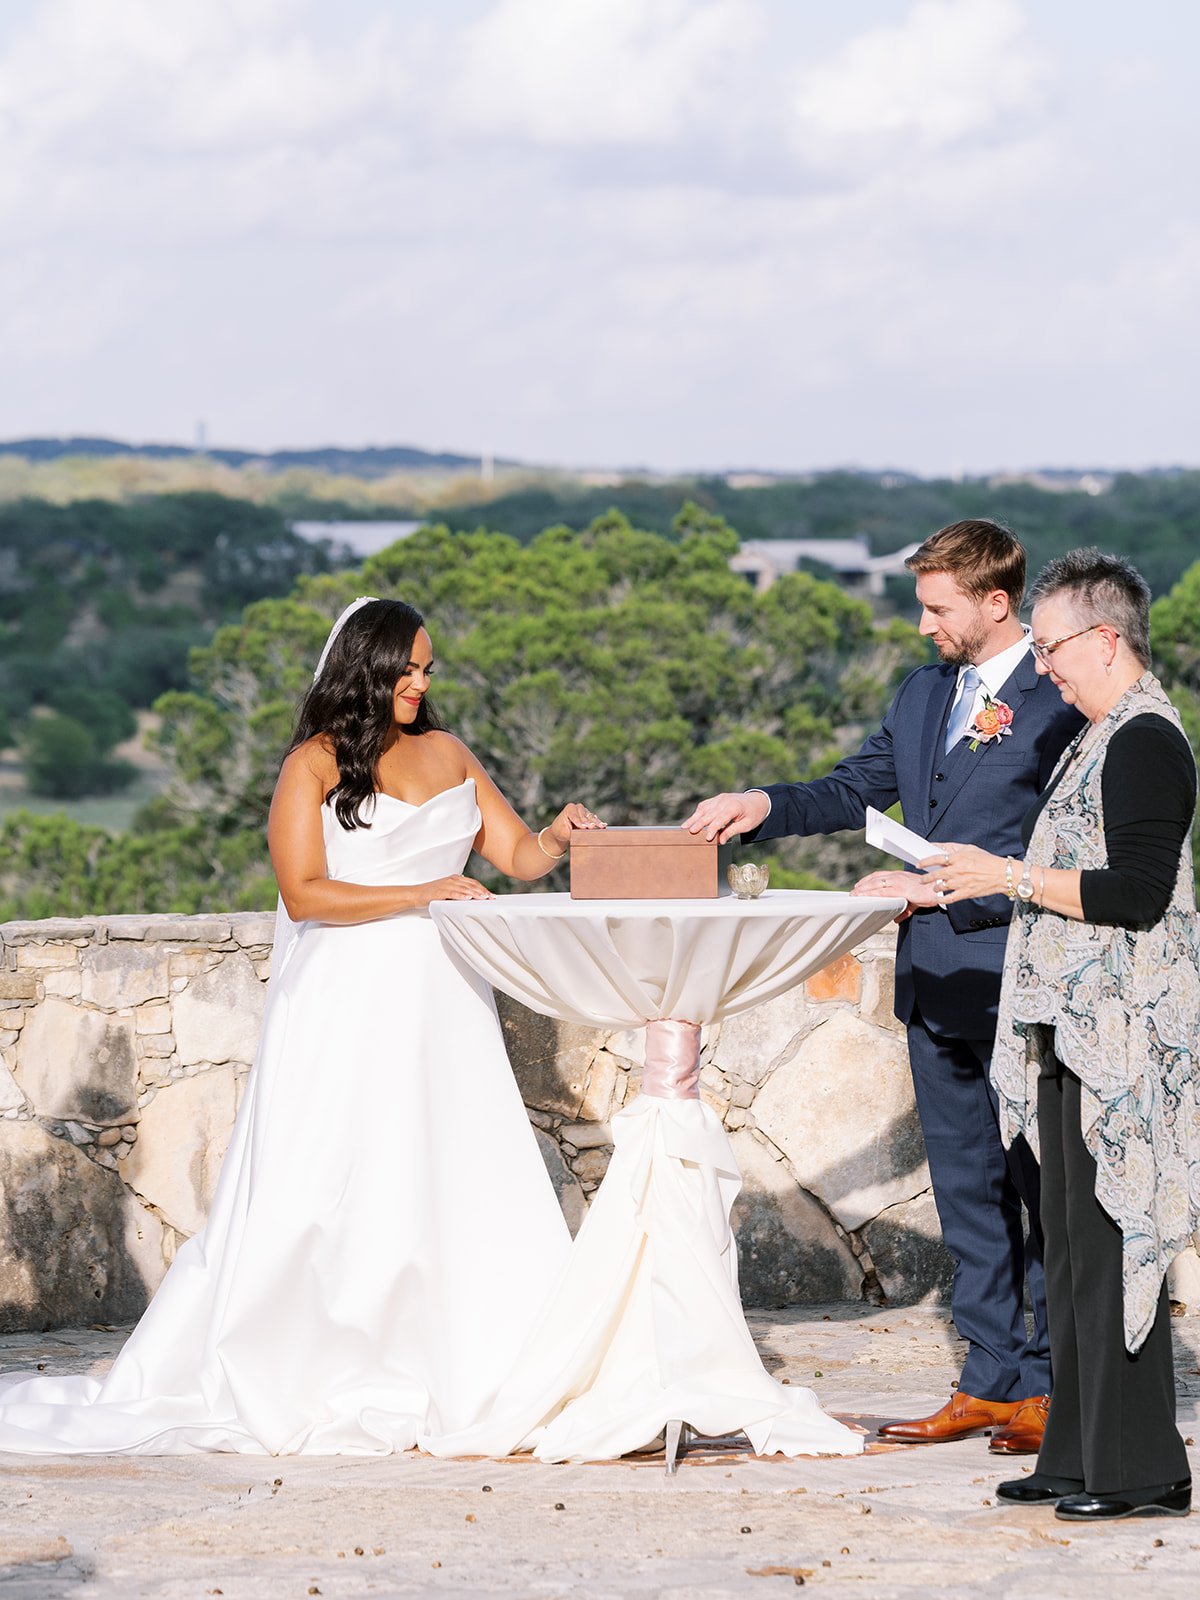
[[948, 967]]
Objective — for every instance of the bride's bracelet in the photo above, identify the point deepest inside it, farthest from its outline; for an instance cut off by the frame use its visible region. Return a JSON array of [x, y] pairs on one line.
[[546, 852]]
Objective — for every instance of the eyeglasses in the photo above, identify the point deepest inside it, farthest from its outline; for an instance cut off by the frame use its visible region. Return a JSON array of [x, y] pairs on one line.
[[1044, 651]]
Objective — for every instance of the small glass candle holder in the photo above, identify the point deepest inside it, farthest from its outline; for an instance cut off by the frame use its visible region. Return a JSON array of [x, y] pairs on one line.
[[747, 879]]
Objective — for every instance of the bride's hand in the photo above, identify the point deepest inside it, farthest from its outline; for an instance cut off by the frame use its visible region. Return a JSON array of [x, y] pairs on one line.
[[454, 887], [572, 817]]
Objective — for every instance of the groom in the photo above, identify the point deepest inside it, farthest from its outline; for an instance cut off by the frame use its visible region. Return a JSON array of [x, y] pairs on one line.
[[956, 787]]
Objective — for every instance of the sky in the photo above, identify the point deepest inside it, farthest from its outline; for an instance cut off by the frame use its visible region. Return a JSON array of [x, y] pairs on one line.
[[934, 235]]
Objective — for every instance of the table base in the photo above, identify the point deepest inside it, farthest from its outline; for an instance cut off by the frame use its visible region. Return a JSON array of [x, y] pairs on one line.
[[645, 1332]]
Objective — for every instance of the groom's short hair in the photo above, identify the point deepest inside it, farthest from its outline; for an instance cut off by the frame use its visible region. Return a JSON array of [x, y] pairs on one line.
[[979, 554]]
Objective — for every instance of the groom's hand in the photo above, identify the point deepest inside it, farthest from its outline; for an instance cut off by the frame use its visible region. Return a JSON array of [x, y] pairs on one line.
[[724, 815], [917, 888]]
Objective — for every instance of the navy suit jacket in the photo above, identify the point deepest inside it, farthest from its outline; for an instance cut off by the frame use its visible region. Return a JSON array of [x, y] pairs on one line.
[[948, 963]]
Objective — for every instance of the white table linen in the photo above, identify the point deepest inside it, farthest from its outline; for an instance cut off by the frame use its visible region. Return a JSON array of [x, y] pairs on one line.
[[621, 963], [646, 1324]]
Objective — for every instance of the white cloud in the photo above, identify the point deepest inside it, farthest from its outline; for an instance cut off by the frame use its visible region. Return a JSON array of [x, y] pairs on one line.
[[597, 72], [128, 63], [101, 92], [951, 70]]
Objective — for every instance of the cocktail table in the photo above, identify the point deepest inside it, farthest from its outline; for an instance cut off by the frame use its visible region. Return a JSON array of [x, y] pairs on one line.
[[645, 1332]]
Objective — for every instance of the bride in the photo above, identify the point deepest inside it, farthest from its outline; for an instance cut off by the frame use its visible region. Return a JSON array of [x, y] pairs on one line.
[[384, 1233]]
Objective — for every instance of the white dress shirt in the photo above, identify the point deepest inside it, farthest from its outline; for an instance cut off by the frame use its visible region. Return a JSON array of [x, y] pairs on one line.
[[994, 673]]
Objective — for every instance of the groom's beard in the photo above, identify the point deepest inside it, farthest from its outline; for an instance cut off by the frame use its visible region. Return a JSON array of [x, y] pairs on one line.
[[966, 649]]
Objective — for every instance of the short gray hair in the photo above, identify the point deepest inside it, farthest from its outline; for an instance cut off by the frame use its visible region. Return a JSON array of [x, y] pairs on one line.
[[1100, 588]]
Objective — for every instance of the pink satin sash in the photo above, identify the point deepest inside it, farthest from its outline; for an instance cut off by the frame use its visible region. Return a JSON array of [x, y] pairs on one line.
[[672, 1070]]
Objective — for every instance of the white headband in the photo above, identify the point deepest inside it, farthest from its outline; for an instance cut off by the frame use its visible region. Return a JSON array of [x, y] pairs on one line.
[[355, 605]]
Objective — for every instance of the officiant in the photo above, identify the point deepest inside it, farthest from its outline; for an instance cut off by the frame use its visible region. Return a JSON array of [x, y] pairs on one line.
[[966, 747]]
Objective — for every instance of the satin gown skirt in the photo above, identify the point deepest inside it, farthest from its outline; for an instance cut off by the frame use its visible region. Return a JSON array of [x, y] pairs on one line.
[[383, 1233]]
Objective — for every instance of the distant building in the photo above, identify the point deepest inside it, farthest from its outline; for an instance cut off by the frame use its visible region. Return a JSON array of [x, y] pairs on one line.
[[751, 480], [761, 561]]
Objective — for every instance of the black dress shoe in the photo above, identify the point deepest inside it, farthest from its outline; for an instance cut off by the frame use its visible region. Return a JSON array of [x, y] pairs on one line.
[[1160, 1500], [1038, 1489]]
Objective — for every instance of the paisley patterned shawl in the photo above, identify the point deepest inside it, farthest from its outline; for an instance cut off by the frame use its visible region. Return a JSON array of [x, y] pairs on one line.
[[1121, 1008]]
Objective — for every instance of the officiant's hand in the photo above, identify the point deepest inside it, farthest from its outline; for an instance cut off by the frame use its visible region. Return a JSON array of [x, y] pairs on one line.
[[723, 815], [920, 890], [965, 872]]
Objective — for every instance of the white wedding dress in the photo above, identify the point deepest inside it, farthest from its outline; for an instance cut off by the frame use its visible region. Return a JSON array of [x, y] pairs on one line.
[[383, 1235]]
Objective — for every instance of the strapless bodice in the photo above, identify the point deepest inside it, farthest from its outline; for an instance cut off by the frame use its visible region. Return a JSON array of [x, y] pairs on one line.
[[404, 843]]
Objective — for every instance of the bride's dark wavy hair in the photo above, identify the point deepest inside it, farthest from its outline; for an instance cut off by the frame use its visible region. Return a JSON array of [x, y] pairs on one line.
[[352, 701]]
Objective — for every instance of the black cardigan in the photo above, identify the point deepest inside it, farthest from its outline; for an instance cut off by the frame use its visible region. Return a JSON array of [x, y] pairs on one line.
[[1149, 789]]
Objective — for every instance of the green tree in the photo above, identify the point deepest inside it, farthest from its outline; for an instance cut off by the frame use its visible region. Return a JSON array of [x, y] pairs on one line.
[[1154, 519], [64, 759], [617, 665], [627, 668], [100, 603], [105, 715], [1175, 642], [54, 866], [1175, 632]]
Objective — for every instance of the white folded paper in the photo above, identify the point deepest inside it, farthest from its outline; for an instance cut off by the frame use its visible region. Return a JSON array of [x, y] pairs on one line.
[[896, 839]]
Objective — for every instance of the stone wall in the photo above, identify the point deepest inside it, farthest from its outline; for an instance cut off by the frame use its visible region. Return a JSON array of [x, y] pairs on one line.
[[125, 1043]]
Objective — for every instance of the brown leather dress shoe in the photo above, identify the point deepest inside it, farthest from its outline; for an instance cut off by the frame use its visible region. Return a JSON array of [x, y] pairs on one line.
[[962, 1415], [1023, 1435]]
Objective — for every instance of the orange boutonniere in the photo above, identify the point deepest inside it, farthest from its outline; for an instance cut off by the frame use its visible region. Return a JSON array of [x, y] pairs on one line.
[[992, 722]]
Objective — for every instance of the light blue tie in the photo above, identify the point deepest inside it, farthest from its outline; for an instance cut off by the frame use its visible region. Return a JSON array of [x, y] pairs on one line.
[[963, 708]]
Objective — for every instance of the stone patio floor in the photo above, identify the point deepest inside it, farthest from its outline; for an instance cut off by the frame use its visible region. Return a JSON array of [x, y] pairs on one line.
[[896, 1522]]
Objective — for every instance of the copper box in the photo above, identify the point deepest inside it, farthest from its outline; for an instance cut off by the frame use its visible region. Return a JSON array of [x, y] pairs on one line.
[[647, 864]]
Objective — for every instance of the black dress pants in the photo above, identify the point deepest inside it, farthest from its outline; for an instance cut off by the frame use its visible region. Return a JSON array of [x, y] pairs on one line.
[[1112, 1414]]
